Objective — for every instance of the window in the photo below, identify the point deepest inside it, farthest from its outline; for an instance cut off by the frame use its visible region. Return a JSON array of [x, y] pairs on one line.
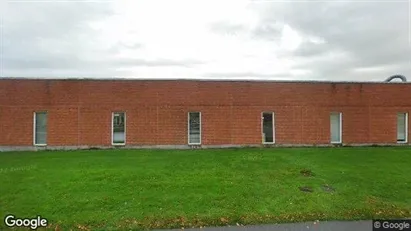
[[402, 127], [267, 124], [194, 128], [119, 128], [40, 128], [336, 127]]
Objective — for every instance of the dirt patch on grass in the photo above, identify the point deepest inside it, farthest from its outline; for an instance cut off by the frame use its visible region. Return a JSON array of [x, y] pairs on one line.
[[306, 189], [327, 188], [307, 172]]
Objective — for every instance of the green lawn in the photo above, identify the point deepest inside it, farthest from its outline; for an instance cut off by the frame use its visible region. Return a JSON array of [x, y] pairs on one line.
[[134, 189]]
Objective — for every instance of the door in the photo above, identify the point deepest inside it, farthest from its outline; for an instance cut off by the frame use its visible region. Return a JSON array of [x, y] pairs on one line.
[[268, 127]]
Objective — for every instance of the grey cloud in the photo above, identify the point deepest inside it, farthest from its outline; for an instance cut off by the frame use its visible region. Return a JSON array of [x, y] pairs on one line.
[[371, 34], [363, 40], [244, 74], [269, 31], [73, 62], [44, 36], [32, 63], [55, 38], [32, 20], [227, 29], [133, 45], [156, 62], [122, 46]]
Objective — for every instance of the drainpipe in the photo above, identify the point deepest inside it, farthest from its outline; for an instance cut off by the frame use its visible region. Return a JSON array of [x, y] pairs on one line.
[[403, 79]]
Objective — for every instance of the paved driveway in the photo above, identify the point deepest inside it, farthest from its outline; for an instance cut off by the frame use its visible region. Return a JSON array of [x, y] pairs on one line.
[[306, 226]]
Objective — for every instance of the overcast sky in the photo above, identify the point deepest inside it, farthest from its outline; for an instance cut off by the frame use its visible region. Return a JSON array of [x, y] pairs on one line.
[[234, 39]]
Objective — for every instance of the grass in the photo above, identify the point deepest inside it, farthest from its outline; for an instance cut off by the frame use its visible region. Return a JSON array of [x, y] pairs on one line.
[[144, 189]]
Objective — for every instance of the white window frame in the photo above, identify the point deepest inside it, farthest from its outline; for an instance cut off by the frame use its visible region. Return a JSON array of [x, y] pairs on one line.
[[188, 128], [340, 128], [112, 128], [262, 126], [34, 128], [406, 128]]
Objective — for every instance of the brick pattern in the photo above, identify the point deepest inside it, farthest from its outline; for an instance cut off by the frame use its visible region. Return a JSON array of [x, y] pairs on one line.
[[79, 111]]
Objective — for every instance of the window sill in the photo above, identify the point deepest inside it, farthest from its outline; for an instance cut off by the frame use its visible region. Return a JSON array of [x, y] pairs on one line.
[[40, 145]]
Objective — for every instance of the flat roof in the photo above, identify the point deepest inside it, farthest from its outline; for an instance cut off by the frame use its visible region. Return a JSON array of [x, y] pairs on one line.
[[199, 80]]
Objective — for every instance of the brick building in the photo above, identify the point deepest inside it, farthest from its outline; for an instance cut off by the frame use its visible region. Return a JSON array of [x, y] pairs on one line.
[[81, 113]]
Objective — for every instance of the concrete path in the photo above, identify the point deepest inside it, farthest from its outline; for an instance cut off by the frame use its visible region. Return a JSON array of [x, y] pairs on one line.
[[306, 226]]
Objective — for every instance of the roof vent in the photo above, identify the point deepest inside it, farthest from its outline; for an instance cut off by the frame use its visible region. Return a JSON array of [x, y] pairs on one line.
[[403, 79]]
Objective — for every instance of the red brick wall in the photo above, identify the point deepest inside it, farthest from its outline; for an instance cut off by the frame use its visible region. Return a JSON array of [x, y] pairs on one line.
[[79, 111]]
